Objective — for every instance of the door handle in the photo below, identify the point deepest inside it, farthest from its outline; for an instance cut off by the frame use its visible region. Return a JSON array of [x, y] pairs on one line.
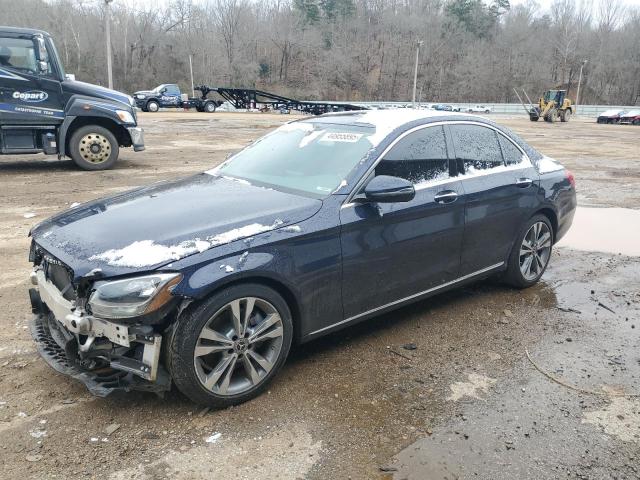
[[446, 196], [524, 182]]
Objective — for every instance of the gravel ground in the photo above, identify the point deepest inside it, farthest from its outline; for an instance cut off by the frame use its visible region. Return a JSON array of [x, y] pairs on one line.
[[467, 402]]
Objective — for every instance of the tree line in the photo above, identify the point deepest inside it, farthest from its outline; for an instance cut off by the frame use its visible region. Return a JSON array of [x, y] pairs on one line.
[[358, 50]]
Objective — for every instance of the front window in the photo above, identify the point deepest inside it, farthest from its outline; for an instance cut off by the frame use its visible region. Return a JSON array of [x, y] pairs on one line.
[[306, 157], [18, 54]]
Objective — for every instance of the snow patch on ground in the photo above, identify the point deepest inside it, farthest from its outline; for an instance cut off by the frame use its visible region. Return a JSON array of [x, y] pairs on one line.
[[145, 253], [477, 384]]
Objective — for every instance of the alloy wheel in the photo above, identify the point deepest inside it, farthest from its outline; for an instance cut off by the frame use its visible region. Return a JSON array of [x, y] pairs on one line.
[[535, 251], [238, 346], [95, 148]]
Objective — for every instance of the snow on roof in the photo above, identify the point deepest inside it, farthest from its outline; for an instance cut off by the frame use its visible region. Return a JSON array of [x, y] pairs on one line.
[[384, 121]]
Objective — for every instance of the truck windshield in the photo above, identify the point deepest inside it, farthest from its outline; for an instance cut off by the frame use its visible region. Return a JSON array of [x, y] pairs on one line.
[[306, 157]]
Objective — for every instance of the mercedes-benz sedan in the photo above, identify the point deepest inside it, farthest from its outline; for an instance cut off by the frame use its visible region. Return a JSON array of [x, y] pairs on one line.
[[205, 282]]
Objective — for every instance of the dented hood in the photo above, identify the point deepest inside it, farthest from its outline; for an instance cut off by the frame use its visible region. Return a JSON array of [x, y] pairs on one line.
[[152, 226]]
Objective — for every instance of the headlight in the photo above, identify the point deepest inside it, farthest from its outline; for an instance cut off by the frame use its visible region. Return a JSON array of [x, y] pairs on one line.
[[141, 97], [125, 116], [132, 297]]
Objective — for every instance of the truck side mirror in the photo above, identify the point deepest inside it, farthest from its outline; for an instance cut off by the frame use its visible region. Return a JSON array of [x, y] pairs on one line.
[[43, 57]]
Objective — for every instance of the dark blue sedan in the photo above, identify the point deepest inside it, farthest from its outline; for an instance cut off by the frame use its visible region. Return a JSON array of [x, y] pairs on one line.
[[205, 282]]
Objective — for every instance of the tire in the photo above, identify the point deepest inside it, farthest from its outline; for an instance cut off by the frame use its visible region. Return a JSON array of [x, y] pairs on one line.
[[487, 111], [153, 106], [93, 147], [534, 118], [515, 276], [209, 107], [218, 351], [565, 115], [636, 122], [551, 116]]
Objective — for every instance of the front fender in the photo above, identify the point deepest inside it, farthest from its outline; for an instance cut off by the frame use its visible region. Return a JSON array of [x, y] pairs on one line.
[[83, 107]]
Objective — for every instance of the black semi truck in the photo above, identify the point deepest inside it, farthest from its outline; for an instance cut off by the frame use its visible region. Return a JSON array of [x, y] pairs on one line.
[[42, 110]]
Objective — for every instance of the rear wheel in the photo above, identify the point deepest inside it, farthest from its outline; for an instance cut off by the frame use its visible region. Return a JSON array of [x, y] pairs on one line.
[[93, 148], [565, 115], [531, 253], [209, 107], [227, 350]]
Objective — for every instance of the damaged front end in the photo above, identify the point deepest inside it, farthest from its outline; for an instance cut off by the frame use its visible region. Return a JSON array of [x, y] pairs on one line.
[[106, 333]]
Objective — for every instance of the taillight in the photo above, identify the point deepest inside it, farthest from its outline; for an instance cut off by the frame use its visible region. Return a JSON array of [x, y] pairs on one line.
[[571, 178]]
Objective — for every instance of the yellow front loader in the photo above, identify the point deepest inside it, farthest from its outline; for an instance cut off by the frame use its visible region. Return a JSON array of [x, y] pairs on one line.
[[552, 105]]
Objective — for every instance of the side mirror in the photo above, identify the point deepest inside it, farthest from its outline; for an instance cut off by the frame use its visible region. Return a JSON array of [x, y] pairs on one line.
[[387, 189], [43, 57]]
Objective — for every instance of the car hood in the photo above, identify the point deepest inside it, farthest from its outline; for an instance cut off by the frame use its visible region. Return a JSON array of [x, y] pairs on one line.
[[73, 87], [152, 226]]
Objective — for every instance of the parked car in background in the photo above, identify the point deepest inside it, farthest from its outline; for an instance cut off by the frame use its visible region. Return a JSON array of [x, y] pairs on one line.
[[632, 117], [610, 116], [479, 109], [443, 107], [205, 282]]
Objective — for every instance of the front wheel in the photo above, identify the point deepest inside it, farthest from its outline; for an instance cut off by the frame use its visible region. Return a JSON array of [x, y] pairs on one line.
[[227, 350], [93, 148], [153, 106], [530, 253], [209, 107]]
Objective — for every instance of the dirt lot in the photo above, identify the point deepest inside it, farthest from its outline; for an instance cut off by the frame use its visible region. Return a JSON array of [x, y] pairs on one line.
[[467, 402]]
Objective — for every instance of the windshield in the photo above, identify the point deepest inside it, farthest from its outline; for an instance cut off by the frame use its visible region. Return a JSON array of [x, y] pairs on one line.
[[313, 158]]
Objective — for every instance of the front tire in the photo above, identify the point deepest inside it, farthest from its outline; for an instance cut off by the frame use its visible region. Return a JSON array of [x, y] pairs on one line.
[[530, 253], [153, 106], [93, 148], [226, 350], [210, 107]]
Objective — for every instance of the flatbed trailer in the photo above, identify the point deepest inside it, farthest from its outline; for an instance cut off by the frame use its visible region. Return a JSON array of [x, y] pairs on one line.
[[245, 98]]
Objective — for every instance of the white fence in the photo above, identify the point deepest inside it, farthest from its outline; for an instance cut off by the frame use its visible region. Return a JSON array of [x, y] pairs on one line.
[[514, 108]]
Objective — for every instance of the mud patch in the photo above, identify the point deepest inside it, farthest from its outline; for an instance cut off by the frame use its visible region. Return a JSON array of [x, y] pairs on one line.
[[621, 418], [477, 384], [289, 452]]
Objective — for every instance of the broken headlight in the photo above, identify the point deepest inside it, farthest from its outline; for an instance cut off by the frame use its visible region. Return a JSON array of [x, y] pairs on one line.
[[132, 297]]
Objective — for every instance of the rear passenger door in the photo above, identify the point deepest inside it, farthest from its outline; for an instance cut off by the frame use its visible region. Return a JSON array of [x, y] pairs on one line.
[[500, 189]]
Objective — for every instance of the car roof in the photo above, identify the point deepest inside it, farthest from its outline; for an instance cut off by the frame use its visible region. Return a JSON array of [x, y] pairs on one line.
[[22, 31], [387, 120]]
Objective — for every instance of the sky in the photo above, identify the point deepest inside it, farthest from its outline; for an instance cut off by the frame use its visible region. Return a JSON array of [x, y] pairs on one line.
[[545, 4]]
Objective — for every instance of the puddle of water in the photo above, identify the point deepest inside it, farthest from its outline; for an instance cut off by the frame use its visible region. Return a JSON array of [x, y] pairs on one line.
[[609, 230]]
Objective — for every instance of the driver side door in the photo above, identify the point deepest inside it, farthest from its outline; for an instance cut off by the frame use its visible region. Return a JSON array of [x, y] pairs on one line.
[[392, 251], [28, 96]]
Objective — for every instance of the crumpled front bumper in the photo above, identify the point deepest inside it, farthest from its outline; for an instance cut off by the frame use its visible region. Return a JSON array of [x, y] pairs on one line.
[[137, 138], [99, 382], [118, 371]]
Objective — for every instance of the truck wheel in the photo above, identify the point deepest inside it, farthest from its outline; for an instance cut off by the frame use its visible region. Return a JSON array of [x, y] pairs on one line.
[[93, 148], [209, 107], [153, 106]]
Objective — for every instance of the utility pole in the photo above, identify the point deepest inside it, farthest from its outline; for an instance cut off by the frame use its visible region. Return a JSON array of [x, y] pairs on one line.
[[193, 92], [584, 62], [107, 28], [415, 73]]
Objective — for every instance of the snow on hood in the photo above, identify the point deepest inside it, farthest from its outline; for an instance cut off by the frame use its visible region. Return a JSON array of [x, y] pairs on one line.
[[145, 253]]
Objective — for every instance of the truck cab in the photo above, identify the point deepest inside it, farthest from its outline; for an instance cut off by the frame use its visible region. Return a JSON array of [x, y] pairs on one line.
[[166, 95], [43, 110]]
